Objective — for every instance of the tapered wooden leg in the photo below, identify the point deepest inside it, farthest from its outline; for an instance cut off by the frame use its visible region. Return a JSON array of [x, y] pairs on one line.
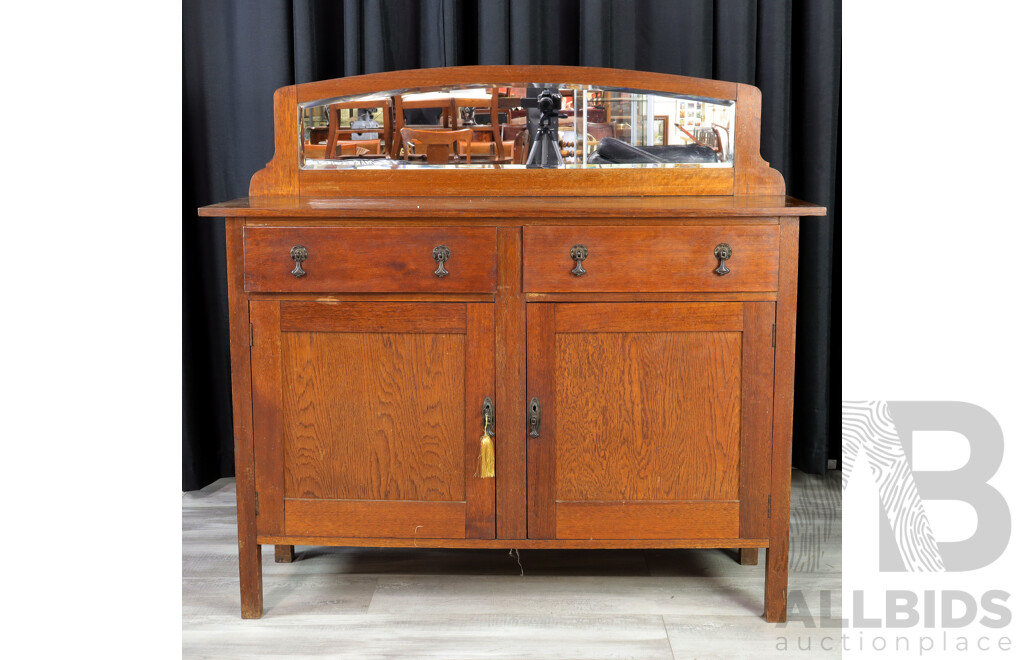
[[748, 556], [284, 554], [776, 565], [776, 583], [250, 573]]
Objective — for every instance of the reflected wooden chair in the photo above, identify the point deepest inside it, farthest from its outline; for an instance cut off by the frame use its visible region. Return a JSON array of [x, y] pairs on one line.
[[437, 145], [493, 128], [448, 116], [722, 141], [450, 106], [337, 134]]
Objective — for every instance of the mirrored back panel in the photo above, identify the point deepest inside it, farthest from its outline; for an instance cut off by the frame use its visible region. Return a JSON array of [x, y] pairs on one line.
[[516, 125]]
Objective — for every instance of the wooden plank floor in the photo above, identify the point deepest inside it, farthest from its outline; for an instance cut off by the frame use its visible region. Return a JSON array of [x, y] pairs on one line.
[[394, 603]]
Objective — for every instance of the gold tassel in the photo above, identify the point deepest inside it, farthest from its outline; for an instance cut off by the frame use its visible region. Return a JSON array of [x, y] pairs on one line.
[[486, 456]]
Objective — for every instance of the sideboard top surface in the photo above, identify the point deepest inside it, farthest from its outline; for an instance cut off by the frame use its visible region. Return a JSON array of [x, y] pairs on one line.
[[723, 206]]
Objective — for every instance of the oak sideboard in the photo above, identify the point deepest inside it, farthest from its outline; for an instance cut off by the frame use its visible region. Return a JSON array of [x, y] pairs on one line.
[[514, 307]]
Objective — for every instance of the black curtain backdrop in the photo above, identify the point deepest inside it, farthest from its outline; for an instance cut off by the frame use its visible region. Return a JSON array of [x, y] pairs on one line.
[[237, 52]]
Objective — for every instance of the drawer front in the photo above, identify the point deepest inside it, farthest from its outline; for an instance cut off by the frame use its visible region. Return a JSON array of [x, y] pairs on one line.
[[370, 259], [650, 259]]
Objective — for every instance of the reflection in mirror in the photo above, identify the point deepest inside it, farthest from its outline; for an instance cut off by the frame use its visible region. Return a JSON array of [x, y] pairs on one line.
[[526, 125]]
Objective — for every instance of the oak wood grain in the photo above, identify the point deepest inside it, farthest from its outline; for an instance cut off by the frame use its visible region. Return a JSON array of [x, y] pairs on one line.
[[250, 564], [776, 583], [406, 519], [550, 182], [280, 176], [753, 175], [269, 425], [646, 520], [374, 416], [370, 259], [756, 449], [647, 416], [479, 383], [408, 318], [634, 259], [540, 451], [648, 317], [510, 387]]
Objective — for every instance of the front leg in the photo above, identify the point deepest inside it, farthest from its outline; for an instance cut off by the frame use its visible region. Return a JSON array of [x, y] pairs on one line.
[[776, 581], [285, 554]]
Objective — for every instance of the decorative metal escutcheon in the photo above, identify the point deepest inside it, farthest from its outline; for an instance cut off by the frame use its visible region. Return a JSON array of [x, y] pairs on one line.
[[722, 253], [534, 418], [441, 255], [487, 411], [299, 254], [578, 253]]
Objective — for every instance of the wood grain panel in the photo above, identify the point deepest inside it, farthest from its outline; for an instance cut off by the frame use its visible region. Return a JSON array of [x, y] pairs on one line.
[[633, 259], [374, 416], [756, 444], [510, 387], [479, 379], [647, 416], [647, 520], [648, 317], [371, 259], [268, 424], [435, 318], [540, 451], [408, 520]]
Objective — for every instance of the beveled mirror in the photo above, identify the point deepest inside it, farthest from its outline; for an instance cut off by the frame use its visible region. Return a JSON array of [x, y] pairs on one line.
[[516, 126]]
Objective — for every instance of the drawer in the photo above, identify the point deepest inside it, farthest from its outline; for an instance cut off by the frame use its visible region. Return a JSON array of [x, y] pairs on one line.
[[371, 259], [650, 259]]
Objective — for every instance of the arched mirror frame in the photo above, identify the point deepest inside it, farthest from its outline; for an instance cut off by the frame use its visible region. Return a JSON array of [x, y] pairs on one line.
[[750, 174]]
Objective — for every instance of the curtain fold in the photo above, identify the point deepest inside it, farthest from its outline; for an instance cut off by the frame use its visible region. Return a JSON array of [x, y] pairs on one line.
[[236, 53]]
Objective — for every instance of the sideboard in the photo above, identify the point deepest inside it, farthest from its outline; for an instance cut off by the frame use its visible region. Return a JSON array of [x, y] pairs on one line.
[[486, 352]]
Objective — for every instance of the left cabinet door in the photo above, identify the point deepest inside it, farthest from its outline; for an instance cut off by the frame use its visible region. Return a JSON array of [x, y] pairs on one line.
[[367, 418]]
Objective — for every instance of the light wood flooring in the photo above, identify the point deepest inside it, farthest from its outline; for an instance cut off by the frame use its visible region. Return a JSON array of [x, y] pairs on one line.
[[394, 603]]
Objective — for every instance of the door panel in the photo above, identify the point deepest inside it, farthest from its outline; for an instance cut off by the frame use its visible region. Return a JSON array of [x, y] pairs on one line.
[[647, 416], [368, 419], [654, 419]]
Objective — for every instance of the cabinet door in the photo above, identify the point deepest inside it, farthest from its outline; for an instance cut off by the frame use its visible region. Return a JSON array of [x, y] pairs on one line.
[[367, 418], [655, 420]]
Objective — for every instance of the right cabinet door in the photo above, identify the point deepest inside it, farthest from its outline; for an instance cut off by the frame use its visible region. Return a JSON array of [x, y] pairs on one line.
[[649, 420]]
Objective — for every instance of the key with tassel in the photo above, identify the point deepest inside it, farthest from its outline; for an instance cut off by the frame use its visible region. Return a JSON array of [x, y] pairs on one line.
[[486, 470]]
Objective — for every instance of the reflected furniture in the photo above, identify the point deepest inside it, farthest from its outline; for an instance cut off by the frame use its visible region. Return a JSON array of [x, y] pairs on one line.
[[450, 106], [337, 134], [437, 146], [459, 356]]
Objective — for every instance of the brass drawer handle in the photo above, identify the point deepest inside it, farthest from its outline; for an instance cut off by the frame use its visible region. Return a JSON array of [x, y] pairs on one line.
[[722, 253], [534, 415], [441, 255], [299, 254], [578, 253]]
